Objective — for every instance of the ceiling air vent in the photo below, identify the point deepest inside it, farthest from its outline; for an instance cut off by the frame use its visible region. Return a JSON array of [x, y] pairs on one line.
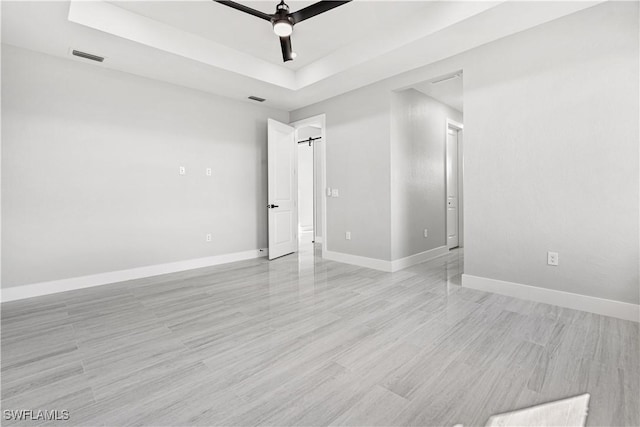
[[257, 98], [87, 55], [447, 78]]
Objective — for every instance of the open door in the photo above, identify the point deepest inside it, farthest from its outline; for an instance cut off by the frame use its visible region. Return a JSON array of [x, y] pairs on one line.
[[283, 186]]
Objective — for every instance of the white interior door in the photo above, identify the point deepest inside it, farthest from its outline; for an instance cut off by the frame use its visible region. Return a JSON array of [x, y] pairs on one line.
[[452, 188], [283, 215]]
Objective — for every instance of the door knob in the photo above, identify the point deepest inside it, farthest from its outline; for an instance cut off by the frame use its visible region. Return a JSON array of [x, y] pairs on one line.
[[272, 206]]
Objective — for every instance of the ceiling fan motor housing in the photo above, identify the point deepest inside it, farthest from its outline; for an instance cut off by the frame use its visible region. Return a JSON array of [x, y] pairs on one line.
[[282, 16]]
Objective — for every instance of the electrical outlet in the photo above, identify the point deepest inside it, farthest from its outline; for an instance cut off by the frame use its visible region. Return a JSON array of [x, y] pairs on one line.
[[426, 233], [347, 235], [182, 170], [208, 172], [208, 237], [552, 258]]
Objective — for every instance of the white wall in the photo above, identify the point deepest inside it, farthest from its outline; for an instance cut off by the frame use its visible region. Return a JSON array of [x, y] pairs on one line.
[[551, 160], [418, 172], [357, 150], [551, 154], [90, 163]]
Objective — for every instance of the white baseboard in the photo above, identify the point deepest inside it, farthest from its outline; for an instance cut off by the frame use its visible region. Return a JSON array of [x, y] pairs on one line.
[[605, 307], [63, 285], [401, 263], [374, 263], [383, 265]]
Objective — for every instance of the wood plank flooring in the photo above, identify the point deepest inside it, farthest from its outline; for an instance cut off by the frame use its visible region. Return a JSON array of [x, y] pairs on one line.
[[301, 341]]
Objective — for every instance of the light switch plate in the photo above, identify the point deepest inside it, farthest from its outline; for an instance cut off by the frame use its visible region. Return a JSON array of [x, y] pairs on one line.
[[335, 192], [208, 172], [182, 170], [347, 235], [328, 191]]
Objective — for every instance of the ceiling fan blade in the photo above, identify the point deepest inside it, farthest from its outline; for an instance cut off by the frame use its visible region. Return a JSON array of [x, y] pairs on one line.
[[315, 9], [287, 50], [245, 9]]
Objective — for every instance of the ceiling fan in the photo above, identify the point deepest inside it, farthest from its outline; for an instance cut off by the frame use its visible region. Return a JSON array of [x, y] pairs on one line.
[[283, 21]]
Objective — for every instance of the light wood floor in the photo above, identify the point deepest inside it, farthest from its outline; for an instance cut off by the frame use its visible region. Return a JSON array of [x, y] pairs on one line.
[[302, 341]]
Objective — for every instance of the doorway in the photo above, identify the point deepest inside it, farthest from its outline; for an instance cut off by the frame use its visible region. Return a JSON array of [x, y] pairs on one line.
[[307, 139], [286, 173], [440, 126], [311, 139], [454, 184]]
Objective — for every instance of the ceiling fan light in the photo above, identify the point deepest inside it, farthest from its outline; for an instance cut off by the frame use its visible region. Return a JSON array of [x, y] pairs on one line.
[[282, 28]]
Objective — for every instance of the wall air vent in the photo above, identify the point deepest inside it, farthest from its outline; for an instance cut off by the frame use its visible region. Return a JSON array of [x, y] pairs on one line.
[[87, 55], [257, 98]]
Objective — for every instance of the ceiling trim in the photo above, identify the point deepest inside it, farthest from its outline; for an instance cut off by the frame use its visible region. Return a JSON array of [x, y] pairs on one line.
[[422, 24], [116, 21], [146, 47]]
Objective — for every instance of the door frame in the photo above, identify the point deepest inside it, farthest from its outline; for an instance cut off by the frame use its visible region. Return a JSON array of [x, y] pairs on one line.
[[452, 124], [319, 120]]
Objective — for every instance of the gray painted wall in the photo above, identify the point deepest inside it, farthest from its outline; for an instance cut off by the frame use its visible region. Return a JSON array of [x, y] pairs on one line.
[[358, 130], [418, 174], [551, 160], [90, 161], [551, 153]]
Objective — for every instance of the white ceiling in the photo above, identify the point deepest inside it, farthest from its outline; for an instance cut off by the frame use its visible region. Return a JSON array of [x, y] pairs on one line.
[[210, 47], [311, 40], [448, 91]]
